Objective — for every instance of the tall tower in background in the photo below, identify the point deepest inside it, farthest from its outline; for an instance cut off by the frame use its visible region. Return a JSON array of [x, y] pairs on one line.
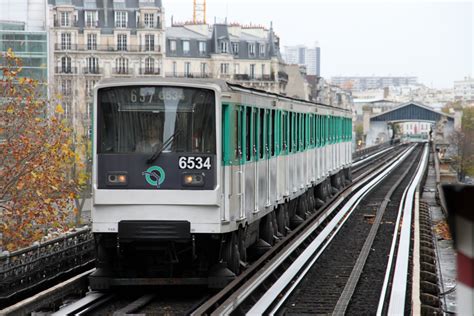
[[306, 56], [199, 11]]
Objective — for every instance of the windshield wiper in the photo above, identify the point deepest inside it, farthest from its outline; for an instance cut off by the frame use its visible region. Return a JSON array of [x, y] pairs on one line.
[[163, 147]]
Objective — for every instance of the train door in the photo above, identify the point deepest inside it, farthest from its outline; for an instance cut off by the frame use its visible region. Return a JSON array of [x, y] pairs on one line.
[[285, 152], [272, 159], [262, 164], [240, 170], [271, 170], [248, 158], [255, 135]]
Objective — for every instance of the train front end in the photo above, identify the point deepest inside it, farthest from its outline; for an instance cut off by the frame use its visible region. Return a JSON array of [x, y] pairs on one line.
[[156, 194]]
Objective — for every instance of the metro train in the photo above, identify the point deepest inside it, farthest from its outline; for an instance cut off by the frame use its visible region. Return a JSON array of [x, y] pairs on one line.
[[192, 177]]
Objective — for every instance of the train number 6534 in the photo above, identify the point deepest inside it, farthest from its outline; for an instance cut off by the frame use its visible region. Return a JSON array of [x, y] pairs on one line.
[[194, 163]]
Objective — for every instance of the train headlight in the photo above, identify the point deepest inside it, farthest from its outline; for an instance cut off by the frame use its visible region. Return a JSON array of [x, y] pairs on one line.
[[193, 179], [117, 178]]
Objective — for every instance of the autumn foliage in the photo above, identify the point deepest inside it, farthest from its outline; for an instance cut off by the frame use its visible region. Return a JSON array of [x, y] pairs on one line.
[[37, 186]]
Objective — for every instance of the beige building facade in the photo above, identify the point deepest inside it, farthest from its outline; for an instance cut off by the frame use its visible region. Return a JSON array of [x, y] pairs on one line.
[[92, 39]]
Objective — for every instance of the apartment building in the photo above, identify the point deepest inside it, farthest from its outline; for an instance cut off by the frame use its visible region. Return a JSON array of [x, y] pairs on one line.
[[464, 89], [94, 39], [310, 57], [248, 55], [361, 83]]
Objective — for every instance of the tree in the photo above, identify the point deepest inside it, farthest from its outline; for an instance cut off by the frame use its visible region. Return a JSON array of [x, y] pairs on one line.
[[37, 183], [464, 144]]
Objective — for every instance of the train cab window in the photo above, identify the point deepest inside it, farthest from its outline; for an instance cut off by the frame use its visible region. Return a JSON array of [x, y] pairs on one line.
[[261, 143], [248, 134], [272, 133], [139, 119]]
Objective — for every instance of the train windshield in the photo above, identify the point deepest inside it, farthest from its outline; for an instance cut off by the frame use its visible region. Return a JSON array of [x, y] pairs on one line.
[[143, 119]]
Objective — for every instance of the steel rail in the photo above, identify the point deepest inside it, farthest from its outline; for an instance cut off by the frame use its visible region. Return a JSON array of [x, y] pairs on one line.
[[322, 240], [85, 305], [347, 293], [50, 295], [370, 157], [399, 282]]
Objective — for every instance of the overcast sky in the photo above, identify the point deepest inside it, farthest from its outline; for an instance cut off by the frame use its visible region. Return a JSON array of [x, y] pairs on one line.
[[429, 39]]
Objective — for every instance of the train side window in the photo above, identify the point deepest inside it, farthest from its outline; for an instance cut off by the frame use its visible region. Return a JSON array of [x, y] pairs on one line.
[[284, 131], [272, 133], [297, 132], [237, 131], [248, 134], [316, 130], [304, 138], [262, 134], [255, 133]]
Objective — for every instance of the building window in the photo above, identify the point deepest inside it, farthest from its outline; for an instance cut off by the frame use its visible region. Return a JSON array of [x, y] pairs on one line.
[[235, 48], [65, 19], [251, 49], [224, 47], [92, 65], [91, 41], [252, 71], [121, 19], [149, 20], [149, 42], [237, 69], [66, 64], [149, 65], [90, 91], [262, 49], [203, 70], [65, 40], [121, 65], [263, 69], [175, 69], [187, 69], [91, 19], [202, 48], [66, 87], [224, 68], [173, 46], [122, 42], [186, 47]]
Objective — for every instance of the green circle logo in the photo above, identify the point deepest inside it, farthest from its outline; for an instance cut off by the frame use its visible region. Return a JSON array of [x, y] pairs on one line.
[[155, 176]]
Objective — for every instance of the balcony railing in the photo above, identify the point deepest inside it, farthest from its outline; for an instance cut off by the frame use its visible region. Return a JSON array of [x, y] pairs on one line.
[[92, 24], [109, 48], [246, 77], [148, 71], [142, 25], [187, 75], [65, 70], [121, 71], [57, 23], [92, 71]]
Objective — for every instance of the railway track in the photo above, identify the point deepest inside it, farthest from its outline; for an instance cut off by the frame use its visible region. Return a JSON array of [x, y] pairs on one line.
[[266, 287], [154, 301]]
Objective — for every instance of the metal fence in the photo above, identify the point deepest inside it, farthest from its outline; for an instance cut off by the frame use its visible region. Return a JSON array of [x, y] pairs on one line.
[[30, 268]]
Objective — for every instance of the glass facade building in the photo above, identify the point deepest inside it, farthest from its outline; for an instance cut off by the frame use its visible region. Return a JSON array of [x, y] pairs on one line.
[[30, 46]]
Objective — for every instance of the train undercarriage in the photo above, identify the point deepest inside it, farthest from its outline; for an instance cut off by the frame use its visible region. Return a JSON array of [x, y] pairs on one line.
[[165, 252]]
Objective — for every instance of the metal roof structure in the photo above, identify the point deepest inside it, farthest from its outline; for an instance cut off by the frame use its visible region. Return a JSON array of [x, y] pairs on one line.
[[410, 111]]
